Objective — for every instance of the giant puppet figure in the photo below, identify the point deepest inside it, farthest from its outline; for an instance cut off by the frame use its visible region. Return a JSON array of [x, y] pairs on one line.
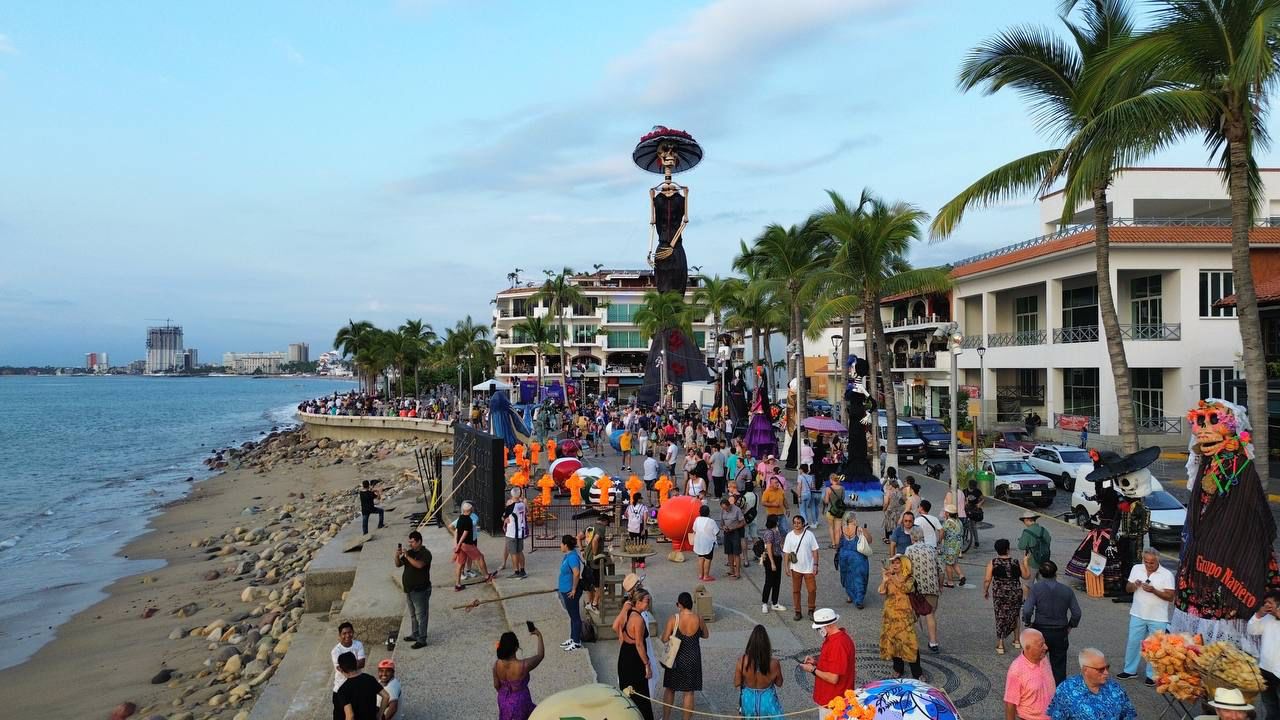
[[859, 479], [1120, 482], [1227, 561], [666, 151], [503, 419]]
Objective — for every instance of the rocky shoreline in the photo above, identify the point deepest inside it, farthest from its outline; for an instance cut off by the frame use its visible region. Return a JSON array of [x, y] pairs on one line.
[[233, 593]]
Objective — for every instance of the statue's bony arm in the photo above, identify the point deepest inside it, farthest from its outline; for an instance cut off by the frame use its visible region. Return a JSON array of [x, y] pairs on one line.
[[684, 221]]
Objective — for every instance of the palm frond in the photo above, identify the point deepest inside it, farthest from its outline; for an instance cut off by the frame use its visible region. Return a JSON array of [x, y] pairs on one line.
[[1014, 179]]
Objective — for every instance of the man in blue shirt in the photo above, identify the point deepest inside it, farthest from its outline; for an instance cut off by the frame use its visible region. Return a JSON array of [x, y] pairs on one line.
[[1091, 695], [901, 536]]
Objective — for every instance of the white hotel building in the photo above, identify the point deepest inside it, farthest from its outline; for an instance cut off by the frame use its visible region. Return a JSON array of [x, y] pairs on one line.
[[1033, 306], [606, 350]]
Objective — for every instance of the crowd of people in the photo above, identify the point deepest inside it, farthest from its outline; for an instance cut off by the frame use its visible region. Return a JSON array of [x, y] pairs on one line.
[[437, 406]]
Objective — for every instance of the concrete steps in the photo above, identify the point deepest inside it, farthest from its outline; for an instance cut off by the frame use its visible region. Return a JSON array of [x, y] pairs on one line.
[[375, 604]]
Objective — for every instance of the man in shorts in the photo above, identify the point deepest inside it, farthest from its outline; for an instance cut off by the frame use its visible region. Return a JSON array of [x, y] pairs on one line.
[[704, 535], [734, 524], [516, 525]]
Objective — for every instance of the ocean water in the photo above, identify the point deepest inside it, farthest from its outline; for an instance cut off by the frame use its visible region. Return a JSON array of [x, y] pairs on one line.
[[84, 464]]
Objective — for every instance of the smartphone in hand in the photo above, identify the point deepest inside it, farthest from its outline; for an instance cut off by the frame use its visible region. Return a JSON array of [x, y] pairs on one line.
[[529, 624]]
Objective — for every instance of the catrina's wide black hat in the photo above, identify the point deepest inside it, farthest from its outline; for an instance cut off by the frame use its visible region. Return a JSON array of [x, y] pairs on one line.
[[687, 149], [1110, 464]]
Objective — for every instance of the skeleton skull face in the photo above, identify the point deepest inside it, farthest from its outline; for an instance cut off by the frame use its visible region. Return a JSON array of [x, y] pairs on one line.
[[1136, 484], [1214, 426], [667, 156]]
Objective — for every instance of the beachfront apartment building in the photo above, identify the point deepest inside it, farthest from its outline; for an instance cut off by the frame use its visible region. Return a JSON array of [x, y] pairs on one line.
[[253, 363], [1033, 338], [299, 353], [606, 350], [164, 349]]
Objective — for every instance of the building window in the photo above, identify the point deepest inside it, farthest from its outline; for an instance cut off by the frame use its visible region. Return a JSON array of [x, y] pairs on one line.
[[1271, 338], [521, 307], [1146, 307], [1080, 307], [700, 337], [584, 334], [1026, 314], [624, 339], [623, 312], [1148, 396], [586, 308], [1080, 391], [1213, 383], [1215, 285]]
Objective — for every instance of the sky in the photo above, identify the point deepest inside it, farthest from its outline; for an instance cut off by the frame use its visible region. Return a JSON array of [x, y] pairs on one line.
[[261, 173]]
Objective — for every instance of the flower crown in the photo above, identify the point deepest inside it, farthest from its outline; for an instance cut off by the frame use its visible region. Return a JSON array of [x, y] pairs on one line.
[[1212, 413]]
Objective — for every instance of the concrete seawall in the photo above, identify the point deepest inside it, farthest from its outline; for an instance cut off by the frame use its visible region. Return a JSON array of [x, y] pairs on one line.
[[354, 427]]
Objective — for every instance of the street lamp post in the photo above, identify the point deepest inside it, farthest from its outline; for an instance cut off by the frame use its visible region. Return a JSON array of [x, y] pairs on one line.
[[954, 341], [982, 391], [662, 375], [837, 406], [459, 402]]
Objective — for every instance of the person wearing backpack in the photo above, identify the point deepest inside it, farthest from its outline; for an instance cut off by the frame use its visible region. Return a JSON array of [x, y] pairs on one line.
[[1035, 540]]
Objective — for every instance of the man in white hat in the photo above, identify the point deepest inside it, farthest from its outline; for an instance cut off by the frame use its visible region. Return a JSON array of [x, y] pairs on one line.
[[835, 669], [1229, 704]]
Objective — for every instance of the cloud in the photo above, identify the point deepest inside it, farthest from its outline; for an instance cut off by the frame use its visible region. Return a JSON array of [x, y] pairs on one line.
[[795, 166], [293, 55], [6, 46], [699, 64]]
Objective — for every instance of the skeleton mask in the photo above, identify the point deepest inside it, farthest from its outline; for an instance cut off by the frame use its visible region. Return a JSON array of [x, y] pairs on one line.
[[1216, 428], [1134, 485]]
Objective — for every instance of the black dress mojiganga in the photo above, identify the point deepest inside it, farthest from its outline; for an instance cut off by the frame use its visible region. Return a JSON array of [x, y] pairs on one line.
[[671, 274]]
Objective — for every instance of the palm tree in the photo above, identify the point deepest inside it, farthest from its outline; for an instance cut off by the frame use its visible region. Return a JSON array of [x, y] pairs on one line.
[[1055, 76], [1225, 57], [717, 295], [788, 260], [423, 337], [660, 311], [538, 331], [375, 356], [352, 338], [870, 242], [467, 342], [560, 292]]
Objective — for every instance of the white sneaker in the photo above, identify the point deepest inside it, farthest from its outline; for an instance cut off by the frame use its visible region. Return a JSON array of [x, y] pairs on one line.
[[764, 608], [566, 643], [780, 608], [573, 646]]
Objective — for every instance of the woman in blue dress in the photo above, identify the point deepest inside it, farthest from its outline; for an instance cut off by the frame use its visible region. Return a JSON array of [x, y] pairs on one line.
[[758, 676], [853, 565]]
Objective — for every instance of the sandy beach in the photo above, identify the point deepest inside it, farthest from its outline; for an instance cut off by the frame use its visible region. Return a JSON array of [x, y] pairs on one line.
[[110, 653]]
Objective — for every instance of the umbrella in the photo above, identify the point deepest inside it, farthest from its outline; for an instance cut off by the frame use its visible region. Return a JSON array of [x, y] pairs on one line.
[[495, 382], [688, 150], [823, 424], [904, 699]]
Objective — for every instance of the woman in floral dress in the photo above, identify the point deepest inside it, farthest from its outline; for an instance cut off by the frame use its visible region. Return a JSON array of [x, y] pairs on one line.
[[952, 533], [898, 640], [894, 504]]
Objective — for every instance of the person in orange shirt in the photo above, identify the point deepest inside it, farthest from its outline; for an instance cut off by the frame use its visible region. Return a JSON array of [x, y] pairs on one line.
[[575, 485], [546, 484], [603, 484], [664, 486], [551, 450]]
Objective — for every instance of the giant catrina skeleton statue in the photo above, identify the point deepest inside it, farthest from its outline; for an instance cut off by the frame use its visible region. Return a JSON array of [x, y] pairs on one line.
[[1227, 561]]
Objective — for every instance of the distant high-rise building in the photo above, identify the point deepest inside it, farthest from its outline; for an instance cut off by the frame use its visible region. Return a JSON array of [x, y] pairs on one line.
[[265, 363], [91, 361], [190, 359], [164, 348], [137, 367], [299, 353], [103, 364]]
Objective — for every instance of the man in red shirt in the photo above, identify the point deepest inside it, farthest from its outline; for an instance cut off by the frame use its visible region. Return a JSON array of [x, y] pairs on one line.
[[835, 670]]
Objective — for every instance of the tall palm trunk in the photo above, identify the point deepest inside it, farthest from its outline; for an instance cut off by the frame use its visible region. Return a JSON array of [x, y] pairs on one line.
[[844, 361], [564, 375], [802, 397], [755, 345], [886, 377], [1255, 369], [768, 358], [1111, 322]]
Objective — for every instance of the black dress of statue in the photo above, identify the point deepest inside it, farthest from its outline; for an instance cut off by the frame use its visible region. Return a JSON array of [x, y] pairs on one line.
[[738, 403], [671, 274], [858, 404]]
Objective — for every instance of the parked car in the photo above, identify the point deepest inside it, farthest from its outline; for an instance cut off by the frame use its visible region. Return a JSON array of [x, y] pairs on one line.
[[937, 440], [818, 407], [1016, 480], [1167, 514], [1015, 440], [1060, 463], [910, 444]]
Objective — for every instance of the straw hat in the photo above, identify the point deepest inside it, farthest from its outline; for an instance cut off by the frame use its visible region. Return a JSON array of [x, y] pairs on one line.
[[1028, 515], [823, 617], [949, 507], [1229, 699]]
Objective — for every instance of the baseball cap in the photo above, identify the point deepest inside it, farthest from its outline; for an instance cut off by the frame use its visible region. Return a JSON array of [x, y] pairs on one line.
[[387, 664]]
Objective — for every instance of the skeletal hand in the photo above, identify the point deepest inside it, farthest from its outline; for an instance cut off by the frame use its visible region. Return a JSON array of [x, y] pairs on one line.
[[663, 253]]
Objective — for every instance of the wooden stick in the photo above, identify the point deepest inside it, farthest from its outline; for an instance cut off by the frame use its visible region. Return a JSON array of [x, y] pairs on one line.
[[478, 602]]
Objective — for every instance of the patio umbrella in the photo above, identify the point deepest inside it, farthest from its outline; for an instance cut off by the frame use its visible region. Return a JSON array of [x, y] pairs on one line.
[[904, 699], [823, 424], [687, 149]]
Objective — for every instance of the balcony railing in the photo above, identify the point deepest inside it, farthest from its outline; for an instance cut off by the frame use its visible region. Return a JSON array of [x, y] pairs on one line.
[[915, 360], [971, 341], [931, 319], [1150, 331], [1159, 425], [1012, 339], [1076, 334], [1026, 395]]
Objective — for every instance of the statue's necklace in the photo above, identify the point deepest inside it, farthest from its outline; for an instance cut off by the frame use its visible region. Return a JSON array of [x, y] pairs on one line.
[[1225, 471]]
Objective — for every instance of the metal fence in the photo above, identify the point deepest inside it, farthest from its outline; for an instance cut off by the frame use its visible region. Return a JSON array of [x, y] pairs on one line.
[[430, 464], [478, 475], [548, 523]]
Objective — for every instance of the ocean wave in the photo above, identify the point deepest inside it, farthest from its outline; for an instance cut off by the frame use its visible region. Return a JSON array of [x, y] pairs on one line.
[[9, 542]]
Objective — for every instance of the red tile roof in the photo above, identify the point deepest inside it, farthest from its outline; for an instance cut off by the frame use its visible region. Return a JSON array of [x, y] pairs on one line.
[[1268, 291], [1147, 235]]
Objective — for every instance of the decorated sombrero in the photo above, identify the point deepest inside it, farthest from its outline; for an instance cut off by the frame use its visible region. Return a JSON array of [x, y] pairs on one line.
[[687, 149], [1108, 464]]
